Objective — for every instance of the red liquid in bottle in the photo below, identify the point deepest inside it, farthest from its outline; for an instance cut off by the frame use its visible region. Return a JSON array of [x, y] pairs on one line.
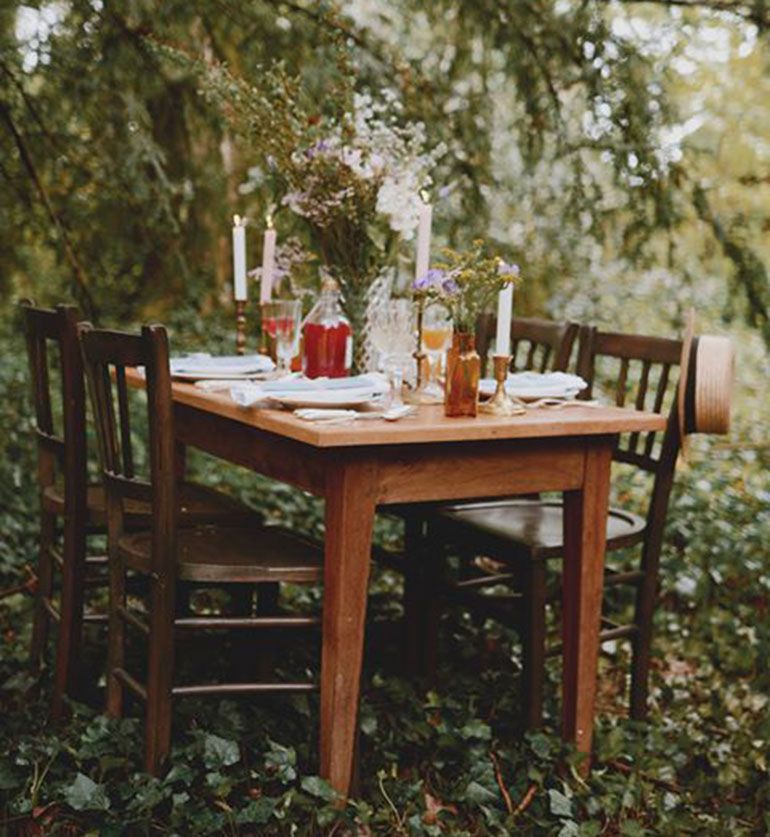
[[326, 350]]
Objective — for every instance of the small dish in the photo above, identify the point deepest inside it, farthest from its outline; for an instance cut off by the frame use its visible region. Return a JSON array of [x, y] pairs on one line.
[[324, 398]]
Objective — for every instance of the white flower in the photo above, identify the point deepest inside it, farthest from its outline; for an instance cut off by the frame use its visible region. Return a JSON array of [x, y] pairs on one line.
[[399, 199]]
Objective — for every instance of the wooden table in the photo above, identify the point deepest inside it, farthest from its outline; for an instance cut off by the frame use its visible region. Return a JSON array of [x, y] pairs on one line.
[[357, 467]]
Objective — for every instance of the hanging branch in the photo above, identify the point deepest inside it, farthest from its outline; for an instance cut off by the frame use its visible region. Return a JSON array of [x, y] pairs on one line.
[[750, 272], [79, 273]]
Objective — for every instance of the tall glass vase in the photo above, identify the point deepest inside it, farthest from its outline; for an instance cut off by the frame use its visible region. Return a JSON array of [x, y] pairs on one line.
[[361, 303], [463, 370]]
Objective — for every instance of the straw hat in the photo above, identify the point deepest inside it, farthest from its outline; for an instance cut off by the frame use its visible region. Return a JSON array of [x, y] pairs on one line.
[[707, 369]]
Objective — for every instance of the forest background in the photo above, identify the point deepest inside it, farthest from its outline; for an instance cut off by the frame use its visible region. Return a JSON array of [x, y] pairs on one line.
[[620, 152]]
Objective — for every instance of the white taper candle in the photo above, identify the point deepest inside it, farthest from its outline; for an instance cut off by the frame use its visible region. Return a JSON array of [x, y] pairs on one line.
[[504, 311], [425, 217], [268, 263], [239, 258]]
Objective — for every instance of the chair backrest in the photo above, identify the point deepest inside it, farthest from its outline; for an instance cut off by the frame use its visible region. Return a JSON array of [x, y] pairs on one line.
[[540, 345], [641, 372], [106, 355], [51, 336]]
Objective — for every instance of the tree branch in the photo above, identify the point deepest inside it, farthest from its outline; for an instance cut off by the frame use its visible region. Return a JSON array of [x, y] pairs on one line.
[[758, 14], [80, 276]]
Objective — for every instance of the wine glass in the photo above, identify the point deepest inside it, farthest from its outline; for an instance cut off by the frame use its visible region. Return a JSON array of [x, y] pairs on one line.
[[436, 337], [281, 320], [393, 335]]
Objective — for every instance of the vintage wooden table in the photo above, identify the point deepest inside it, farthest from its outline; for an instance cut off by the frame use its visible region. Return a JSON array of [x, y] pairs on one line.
[[360, 466]]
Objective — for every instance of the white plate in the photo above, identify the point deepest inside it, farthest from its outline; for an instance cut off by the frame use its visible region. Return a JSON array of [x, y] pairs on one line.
[[217, 376], [531, 386], [233, 367], [324, 398]]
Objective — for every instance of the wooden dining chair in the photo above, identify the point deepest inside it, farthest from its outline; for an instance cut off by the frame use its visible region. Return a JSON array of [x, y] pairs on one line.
[[71, 508], [536, 344], [168, 555], [521, 536]]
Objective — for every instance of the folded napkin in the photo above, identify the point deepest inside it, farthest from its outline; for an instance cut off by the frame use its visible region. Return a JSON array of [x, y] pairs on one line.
[[537, 385], [536, 380], [217, 384], [260, 394], [203, 365], [325, 414]]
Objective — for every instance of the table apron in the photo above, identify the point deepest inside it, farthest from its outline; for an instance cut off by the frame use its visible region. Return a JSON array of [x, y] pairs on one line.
[[452, 471], [409, 473], [283, 459]]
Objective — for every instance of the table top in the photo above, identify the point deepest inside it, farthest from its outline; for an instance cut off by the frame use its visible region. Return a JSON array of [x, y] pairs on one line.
[[428, 425]]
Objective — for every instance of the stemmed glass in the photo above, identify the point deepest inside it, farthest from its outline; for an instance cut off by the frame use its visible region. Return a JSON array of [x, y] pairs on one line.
[[436, 337], [393, 335], [281, 320]]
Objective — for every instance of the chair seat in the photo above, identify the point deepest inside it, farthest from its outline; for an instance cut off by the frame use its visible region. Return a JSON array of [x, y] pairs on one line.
[[529, 527], [224, 554], [198, 504]]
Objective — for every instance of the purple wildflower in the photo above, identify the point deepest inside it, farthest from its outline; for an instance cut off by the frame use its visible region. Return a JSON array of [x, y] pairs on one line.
[[449, 286], [431, 279], [505, 269], [320, 147]]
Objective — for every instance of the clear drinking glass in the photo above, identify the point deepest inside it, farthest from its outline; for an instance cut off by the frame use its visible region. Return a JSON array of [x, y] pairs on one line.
[[393, 335], [281, 320], [436, 338]]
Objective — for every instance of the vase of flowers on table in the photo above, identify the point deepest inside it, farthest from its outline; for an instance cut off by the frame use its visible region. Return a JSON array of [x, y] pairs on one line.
[[464, 282], [348, 170]]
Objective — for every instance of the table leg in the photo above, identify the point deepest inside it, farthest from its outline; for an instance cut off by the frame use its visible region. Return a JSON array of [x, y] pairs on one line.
[[585, 535], [350, 505]]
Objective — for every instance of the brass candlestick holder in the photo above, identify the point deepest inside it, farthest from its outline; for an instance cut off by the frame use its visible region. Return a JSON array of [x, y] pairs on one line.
[[422, 394], [240, 326], [500, 403]]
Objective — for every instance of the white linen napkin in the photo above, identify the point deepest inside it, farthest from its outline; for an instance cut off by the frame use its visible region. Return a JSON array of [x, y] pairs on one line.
[[249, 394], [324, 414]]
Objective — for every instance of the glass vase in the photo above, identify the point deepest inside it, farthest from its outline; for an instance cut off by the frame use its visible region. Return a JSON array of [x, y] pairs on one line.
[[463, 370]]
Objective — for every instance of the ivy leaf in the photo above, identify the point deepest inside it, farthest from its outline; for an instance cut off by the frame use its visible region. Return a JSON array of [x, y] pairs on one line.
[[257, 812], [476, 729], [540, 744], [477, 793], [560, 805], [85, 795], [220, 752], [318, 787], [281, 761]]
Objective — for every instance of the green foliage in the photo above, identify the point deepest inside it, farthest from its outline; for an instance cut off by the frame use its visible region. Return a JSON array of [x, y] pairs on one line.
[[432, 762], [118, 181]]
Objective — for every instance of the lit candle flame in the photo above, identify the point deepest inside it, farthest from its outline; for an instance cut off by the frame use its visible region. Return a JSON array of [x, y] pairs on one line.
[[424, 195]]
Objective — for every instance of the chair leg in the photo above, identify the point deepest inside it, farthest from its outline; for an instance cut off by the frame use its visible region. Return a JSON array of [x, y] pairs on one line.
[[434, 562], [642, 648], [414, 594], [116, 633], [71, 616], [534, 590], [41, 624], [160, 670]]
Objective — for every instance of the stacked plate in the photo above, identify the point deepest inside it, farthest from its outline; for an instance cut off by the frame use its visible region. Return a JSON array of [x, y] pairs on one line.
[[292, 393], [531, 386], [222, 367]]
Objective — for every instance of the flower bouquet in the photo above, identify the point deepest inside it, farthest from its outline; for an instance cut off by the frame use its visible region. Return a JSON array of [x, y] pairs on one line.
[[464, 283]]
